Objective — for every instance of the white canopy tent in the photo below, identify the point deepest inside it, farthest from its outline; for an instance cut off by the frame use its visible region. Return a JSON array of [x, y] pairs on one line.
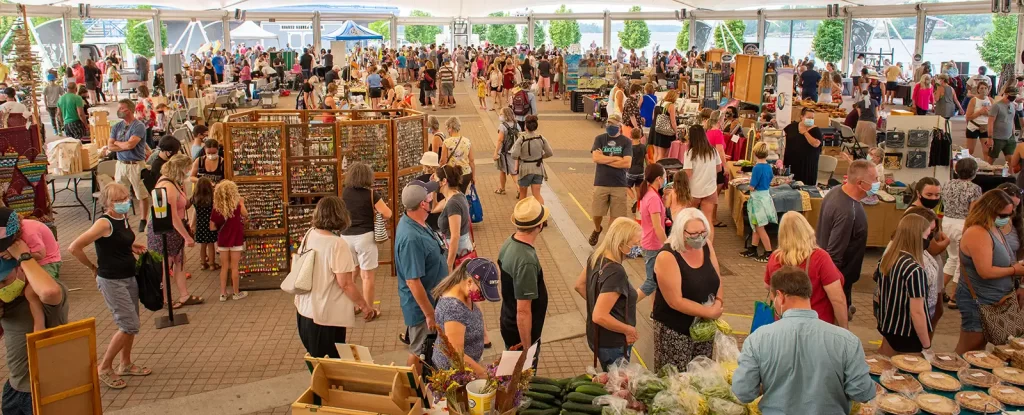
[[250, 31]]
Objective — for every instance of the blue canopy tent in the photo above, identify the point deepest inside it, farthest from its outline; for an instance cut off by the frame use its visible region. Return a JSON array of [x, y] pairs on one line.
[[350, 32]]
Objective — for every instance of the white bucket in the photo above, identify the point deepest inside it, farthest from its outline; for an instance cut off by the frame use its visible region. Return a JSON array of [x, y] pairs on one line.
[[479, 403]]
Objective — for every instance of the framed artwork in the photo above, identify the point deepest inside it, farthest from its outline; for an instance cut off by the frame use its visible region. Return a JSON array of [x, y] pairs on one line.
[[697, 75], [693, 91]]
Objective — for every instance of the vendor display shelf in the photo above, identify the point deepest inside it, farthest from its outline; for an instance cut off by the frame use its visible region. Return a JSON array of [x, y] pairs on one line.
[[367, 142], [300, 217], [312, 140], [256, 149], [264, 255], [313, 178], [265, 205]]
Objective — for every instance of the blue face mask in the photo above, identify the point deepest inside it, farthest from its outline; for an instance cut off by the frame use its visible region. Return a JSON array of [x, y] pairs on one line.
[[1000, 222], [122, 207], [612, 130], [874, 188], [809, 122]]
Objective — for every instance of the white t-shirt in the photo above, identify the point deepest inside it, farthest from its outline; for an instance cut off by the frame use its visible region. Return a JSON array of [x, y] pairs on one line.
[[14, 107], [702, 182], [326, 304], [858, 65]]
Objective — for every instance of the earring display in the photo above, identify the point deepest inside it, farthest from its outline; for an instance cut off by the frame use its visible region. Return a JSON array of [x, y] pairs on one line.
[[297, 134], [256, 151], [264, 254], [264, 203], [312, 179], [293, 118], [409, 140], [300, 218], [320, 141], [402, 182], [367, 143]]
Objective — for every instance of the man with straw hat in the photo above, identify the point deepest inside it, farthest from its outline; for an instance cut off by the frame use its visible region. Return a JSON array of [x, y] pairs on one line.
[[524, 296]]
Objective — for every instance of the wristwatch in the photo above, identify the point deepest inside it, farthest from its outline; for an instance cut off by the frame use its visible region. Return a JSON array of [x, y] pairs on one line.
[[24, 257]]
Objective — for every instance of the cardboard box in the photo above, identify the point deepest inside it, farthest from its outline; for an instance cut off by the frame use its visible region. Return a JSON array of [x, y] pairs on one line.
[[357, 388]]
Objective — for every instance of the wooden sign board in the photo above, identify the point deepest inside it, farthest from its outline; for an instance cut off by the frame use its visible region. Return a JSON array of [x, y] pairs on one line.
[[749, 78], [62, 369]]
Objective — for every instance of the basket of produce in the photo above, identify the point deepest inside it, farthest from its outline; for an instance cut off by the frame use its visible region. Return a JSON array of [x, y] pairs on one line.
[[978, 402], [878, 364], [939, 381], [977, 377], [896, 404], [950, 362], [983, 360], [1010, 375], [910, 363], [936, 405], [900, 383], [1007, 395]]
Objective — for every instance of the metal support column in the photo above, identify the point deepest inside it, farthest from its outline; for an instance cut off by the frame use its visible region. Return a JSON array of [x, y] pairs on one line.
[[607, 32], [69, 50], [316, 31], [158, 41], [226, 24], [1018, 65], [762, 25], [393, 31], [693, 31], [847, 41], [922, 19], [530, 30]]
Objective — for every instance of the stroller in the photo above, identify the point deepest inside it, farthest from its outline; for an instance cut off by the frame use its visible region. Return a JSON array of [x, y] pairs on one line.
[[269, 94]]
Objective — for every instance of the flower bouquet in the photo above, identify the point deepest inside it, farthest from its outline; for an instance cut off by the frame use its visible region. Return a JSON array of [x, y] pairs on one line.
[[451, 383]]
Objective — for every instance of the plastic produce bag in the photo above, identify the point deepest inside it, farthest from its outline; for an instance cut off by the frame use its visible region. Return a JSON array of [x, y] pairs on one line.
[[719, 406], [703, 330], [620, 376], [613, 405], [684, 402], [726, 349], [646, 385], [706, 376]]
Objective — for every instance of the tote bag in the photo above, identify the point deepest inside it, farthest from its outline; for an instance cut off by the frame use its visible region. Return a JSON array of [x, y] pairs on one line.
[[764, 311], [300, 278], [380, 226], [476, 209]]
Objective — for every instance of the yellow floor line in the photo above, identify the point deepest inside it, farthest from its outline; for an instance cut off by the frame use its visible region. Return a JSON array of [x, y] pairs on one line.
[[639, 359], [738, 315], [875, 342], [741, 333], [581, 207]]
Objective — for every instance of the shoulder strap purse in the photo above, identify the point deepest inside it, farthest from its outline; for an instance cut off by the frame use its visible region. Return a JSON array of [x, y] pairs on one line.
[[999, 320], [300, 278]]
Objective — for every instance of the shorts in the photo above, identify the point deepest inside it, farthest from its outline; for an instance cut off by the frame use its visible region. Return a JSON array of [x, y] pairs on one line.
[[239, 248], [364, 248], [531, 179], [16, 402], [430, 93], [1005, 146], [610, 201], [495, 89], [856, 80], [53, 269], [544, 82], [418, 338], [979, 133], [634, 180], [130, 176], [891, 86], [904, 344], [447, 90], [970, 313], [375, 92], [122, 298], [711, 199], [954, 230]]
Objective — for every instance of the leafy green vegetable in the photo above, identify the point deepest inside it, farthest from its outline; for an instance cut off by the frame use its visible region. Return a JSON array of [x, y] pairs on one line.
[[703, 330]]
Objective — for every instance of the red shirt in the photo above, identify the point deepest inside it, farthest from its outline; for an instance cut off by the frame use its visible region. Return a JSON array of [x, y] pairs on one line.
[[230, 232], [822, 272]]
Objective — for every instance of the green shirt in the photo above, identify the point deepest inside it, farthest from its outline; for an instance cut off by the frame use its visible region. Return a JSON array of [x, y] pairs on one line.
[[69, 104]]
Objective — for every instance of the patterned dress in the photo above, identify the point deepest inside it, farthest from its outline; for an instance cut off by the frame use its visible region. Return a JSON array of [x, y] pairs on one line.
[[175, 242], [203, 233]]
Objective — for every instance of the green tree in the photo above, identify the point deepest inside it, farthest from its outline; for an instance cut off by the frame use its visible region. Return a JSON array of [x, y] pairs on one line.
[[480, 29], [423, 35], [728, 39], [828, 40], [138, 38], [564, 32], [383, 27], [501, 34], [683, 39], [999, 46], [539, 37], [635, 34]]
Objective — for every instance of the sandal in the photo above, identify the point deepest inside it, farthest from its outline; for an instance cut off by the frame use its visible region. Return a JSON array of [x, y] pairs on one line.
[[108, 379], [499, 191], [215, 266], [191, 300], [372, 314], [720, 225], [205, 266], [402, 338], [594, 236], [134, 370]]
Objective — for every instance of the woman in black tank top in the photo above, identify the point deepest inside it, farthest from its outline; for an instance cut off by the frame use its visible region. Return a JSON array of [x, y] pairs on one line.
[[687, 274]]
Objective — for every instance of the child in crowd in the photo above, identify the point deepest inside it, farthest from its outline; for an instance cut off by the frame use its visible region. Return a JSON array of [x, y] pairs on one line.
[[760, 208], [481, 92], [202, 200], [226, 218], [877, 156], [635, 175], [161, 119]]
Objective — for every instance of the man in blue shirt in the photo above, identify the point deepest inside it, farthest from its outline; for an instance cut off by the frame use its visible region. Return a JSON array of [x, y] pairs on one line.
[[126, 141], [802, 364], [421, 262], [218, 66]]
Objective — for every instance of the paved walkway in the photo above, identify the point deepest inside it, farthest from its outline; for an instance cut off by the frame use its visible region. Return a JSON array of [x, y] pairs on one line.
[[244, 356]]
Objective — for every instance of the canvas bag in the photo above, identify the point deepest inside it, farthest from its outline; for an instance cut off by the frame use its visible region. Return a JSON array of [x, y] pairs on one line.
[[918, 138], [1001, 319], [663, 124], [380, 226], [895, 139], [300, 278]]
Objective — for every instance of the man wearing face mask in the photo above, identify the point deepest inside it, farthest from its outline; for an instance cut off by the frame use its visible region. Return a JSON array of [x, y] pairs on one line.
[[613, 154], [126, 141], [794, 361], [843, 225], [803, 147]]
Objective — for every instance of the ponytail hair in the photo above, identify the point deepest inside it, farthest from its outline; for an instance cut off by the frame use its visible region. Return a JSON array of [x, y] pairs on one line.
[[457, 276], [453, 174], [651, 173]]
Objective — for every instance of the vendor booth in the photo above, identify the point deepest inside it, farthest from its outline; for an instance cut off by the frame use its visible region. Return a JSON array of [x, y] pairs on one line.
[[250, 31], [349, 32]]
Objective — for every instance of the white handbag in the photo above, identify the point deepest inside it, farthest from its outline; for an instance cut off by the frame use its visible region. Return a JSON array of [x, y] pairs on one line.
[[300, 278]]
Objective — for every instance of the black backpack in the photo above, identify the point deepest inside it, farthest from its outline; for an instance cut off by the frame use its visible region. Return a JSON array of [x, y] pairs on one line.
[[511, 134], [148, 273]]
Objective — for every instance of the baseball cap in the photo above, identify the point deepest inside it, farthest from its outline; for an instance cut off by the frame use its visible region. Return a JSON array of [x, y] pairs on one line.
[[416, 192], [12, 224], [485, 273]]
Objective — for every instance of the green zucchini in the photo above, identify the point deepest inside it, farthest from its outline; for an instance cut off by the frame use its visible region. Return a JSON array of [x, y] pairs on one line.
[[532, 411], [565, 412], [595, 389], [539, 404], [540, 396], [581, 397], [563, 382], [581, 407], [545, 388], [549, 381]]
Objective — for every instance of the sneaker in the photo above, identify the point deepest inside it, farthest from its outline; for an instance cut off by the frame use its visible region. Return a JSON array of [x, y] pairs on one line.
[[240, 295], [749, 253], [593, 238], [951, 304], [762, 258], [223, 298], [142, 225]]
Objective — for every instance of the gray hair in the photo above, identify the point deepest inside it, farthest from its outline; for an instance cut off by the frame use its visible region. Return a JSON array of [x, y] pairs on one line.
[[453, 124], [359, 175], [861, 170], [677, 238], [432, 123]]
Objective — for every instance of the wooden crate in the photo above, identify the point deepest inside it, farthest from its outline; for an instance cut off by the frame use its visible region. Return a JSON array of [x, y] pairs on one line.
[[356, 388]]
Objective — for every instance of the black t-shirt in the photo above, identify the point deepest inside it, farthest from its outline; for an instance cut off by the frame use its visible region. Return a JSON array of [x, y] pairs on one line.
[[620, 146], [639, 156], [527, 70], [306, 62], [545, 68], [609, 277], [360, 210], [329, 60], [809, 82]]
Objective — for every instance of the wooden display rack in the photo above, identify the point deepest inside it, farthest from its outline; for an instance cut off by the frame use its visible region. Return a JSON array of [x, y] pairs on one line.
[[401, 148], [356, 388]]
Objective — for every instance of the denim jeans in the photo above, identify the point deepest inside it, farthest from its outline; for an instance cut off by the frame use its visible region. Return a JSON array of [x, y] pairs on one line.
[[15, 402], [609, 355], [650, 283]]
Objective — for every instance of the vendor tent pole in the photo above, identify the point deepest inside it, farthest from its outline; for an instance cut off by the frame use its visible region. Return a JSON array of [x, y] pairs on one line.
[[900, 38], [791, 39], [69, 52]]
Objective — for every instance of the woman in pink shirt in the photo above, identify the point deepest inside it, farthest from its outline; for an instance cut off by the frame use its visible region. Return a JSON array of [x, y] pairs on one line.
[[246, 77], [717, 140], [652, 223], [923, 95]]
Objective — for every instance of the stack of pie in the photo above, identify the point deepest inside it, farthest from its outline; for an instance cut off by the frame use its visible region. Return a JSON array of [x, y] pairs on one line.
[[983, 360], [1004, 351], [879, 390], [939, 381], [910, 363], [896, 404], [901, 383], [1008, 395], [949, 362], [1017, 343], [936, 405], [878, 364], [978, 402], [977, 377], [1009, 375]]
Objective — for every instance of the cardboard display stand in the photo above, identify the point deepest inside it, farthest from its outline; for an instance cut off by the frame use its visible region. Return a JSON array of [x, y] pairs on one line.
[[62, 369]]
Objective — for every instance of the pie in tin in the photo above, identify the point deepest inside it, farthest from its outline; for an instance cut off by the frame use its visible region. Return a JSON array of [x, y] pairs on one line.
[[1008, 395], [1009, 375], [977, 377], [1004, 351], [984, 360], [879, 390], [911, 363], [978, 402], [902, 383], [950, 362], [896, 404], [878, 364], [939, 381], [936, 405]]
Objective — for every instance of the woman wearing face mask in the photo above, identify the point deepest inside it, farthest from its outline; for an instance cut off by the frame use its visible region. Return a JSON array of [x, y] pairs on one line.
[[688, 276], [803, 147], [957, 196], [210, 165], [902, 290], [611, 299], [932, 265], [115, 276], [652, 221], [927, 195], [1014, 231], [989, 266], [459, 317], [454, 220], [508, 131]]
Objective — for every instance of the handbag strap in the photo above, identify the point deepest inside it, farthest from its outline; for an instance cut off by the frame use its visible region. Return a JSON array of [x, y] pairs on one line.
[[373, 206], [302, 246]]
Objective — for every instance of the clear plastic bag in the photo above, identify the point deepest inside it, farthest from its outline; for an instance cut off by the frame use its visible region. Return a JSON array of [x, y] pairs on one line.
[[707, 377], [613, 405], [727, 354], [901, 383], [720, 406], [685, 401], [646, 385], [620, 377], [702, 330]]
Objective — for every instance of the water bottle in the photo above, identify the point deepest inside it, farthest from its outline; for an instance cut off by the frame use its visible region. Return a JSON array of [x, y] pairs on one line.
[[1006, 169]]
